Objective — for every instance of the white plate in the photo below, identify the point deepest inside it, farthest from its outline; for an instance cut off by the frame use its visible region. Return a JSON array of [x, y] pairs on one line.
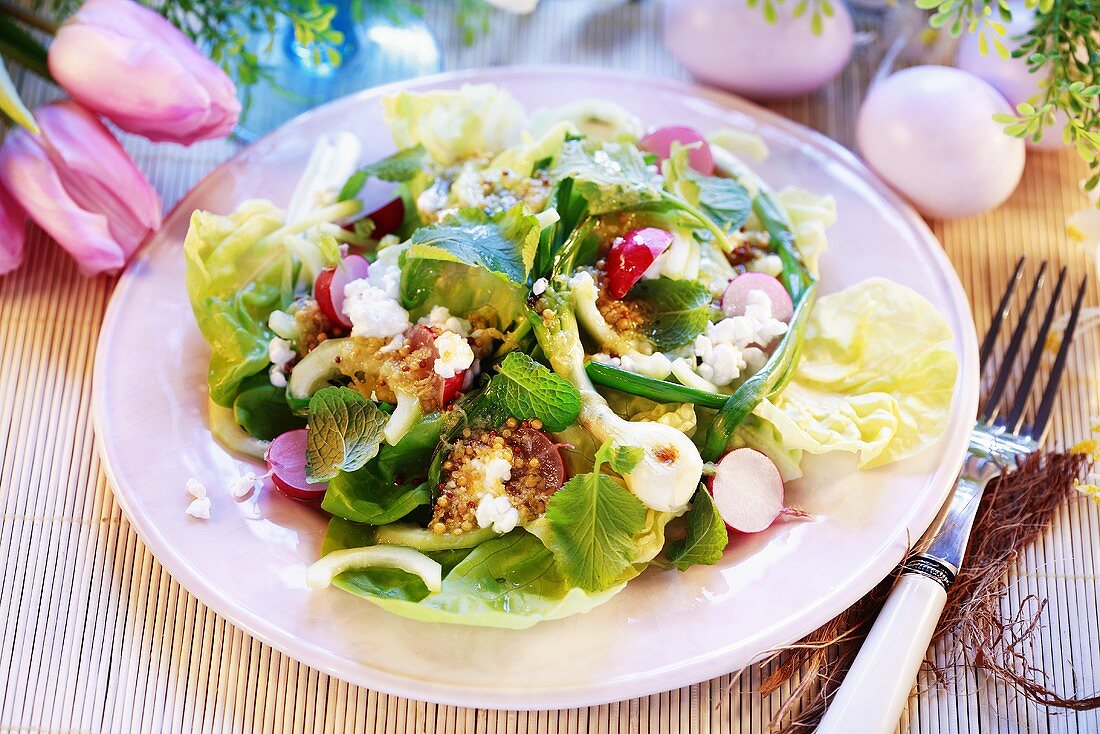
[[667, 629]]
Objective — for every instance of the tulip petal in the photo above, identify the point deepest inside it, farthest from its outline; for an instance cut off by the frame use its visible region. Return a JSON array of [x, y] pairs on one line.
[[13, 232], [169, 90], [29, 174], [98, 174]]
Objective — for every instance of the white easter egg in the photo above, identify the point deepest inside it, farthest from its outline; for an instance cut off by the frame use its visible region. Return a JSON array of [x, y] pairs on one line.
[[730, 45], [1010, 76], [929, 131]]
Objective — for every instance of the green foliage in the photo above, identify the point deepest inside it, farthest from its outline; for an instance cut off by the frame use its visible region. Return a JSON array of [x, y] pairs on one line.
[[524, 389], [593, 521], [504, 244], [677, 310], [345, 432], [261, 409], [404, 165], [706, 537]]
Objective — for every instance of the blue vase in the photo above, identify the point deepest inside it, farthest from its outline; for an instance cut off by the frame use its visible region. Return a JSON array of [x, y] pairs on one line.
[[381, 43]]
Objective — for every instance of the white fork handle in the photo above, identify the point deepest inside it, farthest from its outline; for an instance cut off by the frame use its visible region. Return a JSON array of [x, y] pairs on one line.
[[874, 691]]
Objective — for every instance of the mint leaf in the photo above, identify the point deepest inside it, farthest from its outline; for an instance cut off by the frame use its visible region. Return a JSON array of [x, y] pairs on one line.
[[723, 200], [592, 524], [609, 177], [524, 389], [504, 243], [623, 459], [345, 431], [678, 310], [401, 166], [706, 538]]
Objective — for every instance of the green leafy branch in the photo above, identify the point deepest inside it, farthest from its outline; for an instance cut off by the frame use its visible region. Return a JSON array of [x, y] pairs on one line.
[[819, 10]]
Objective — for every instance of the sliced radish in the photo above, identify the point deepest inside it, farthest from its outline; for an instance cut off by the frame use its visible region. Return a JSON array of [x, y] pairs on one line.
[[747, 490], [329, 288], [737, 293], [286, 458], [631, 255], [659, 143], [387, 218], [424, 336], [534, 444]]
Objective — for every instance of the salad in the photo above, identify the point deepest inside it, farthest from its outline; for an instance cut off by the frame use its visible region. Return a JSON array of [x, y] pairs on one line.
[[567, 350]]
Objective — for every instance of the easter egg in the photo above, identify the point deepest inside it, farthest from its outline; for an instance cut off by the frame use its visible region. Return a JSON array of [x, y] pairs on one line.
[[929, 132], [733, 46]]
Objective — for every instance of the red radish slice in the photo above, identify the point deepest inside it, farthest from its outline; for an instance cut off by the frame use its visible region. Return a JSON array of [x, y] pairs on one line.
[[534, 444], [737, 293], [387, 218], [329, 288], [659, 143], [748, 490], [286, 458], [631, 255], [424, 336]]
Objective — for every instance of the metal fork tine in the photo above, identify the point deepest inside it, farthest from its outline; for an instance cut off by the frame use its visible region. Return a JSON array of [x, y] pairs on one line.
[[1051, 390], [1015, 417], [999, 315], [1009, 357]]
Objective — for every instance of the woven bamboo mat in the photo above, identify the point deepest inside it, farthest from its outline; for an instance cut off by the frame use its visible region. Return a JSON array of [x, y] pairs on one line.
[[96, 637]]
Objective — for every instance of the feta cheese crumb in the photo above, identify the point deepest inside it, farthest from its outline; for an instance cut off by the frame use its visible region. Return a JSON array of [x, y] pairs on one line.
[[455, 354], [769, 263], [733, 344], [195, 488], [440, 317], [280, 353], [496, 512], [371, 303], [539, 287], [199, 508], [246, 484]]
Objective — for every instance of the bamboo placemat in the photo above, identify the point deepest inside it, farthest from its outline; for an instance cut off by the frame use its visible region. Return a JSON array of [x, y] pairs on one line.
[[96, 637]]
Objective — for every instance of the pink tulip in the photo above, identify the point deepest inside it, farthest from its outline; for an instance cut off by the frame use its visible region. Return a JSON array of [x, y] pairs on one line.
[[12, 232], [127, 63], [78, 184]]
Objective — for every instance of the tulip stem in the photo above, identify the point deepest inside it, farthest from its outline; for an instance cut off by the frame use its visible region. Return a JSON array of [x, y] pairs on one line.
[[25, 15]]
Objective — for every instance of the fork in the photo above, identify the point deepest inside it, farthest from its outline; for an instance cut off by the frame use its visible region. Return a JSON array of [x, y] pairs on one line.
[[877, 685]]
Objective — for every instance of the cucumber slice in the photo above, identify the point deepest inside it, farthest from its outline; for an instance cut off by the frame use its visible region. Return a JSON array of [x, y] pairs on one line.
[[227, 432], [315, 371], [406, 415], [411, 536], [321, 573]]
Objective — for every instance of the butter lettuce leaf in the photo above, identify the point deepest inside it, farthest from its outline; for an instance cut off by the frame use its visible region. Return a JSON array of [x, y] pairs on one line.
[[236, 276], [474, 120], [876, 379], [809, 214]]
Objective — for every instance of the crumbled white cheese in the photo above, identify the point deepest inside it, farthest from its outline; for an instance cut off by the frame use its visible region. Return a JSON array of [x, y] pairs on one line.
[[199, 508], [277, 376], [605, 358], [246, 484], [604, 161], [769, 263], [440, 317], [371, 303], [455, 354], [496, 512], [540, 286], [492, 473], [727, 347], [280, 353], [195, 488]]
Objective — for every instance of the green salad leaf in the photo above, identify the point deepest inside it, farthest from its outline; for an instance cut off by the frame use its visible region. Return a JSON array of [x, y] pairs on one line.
[[624, 458], [236, 276], [525, 389], [510, 582], [404, 165], [391, 486], [609, 177], [724, 200], [345, 432], [677, 310], [592, 524], [504, 244], [261, 409], [706, 537]]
